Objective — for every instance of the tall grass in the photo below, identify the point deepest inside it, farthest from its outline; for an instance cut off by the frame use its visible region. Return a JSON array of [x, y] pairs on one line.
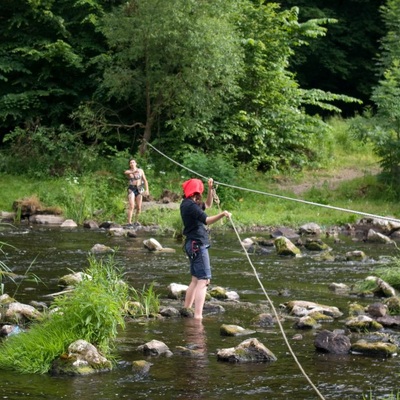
[[93, 312]]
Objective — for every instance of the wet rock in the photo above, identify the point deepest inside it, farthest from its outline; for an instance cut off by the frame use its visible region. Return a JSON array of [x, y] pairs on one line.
[[335, 342], [169, 312], [82, 359], [46, 219], [392, 303], [316, 245], [210, 309], [301, 308], [218, 292], [90, 224], [117, 232], [286, 232], [382, 288], [383, 349], [153, 245], [389, 321], [310, 229], [285, 247], [251, 350], [263, 320], [306, 322], [155, 348], [18, 312], [101, 249], [377, 310], [177, 291], [339, 288], [376, 237], [69, 223], [141, 368], [363, 323], [356, 255], [234, 330], [71, 280]]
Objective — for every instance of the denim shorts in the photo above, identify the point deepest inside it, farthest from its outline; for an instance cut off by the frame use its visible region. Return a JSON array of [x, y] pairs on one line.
[[199, 259]]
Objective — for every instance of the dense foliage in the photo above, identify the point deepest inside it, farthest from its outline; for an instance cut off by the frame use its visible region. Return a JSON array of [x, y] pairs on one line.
[[86, 81], [382, 128]]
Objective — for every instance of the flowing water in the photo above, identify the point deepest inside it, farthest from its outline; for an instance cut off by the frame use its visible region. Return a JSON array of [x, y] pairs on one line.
[[53, 252]]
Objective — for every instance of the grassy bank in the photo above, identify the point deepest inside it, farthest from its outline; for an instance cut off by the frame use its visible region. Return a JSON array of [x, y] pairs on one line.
[[347, 179]]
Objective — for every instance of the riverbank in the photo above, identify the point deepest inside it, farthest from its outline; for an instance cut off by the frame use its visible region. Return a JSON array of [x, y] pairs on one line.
[[328, 197]]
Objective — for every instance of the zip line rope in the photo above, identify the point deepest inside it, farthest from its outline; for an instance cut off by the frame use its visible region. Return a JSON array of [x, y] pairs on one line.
[[251, 264], [276, 315], [277, 195]]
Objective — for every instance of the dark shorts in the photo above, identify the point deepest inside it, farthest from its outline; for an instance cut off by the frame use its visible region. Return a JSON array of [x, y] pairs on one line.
[[199, 260], [136, 190]]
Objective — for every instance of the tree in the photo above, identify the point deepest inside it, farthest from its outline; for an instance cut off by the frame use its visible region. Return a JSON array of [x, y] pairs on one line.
[[269, 126], [174, 62], [383, 127], [45, 55], [344, 61]]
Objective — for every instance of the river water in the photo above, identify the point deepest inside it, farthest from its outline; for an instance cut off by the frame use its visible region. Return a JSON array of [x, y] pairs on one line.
[[51, 252]]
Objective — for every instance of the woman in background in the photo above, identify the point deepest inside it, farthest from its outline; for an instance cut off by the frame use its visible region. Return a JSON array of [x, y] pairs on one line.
[[138, 186]]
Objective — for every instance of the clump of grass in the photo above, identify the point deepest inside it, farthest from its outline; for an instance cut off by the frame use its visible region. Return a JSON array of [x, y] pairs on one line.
[[93, 312], [146, 301]]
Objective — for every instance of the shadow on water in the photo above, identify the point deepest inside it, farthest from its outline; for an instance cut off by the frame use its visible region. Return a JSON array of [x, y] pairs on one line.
[[50, 253]]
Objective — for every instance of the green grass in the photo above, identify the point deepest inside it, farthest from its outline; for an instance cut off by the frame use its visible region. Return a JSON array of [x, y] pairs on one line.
[[93, 312], [103, 194]]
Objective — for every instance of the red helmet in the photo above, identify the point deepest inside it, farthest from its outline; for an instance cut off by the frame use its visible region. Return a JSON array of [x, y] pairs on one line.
[[192, 186]]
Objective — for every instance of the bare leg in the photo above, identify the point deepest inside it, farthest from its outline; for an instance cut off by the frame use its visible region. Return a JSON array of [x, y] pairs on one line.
[[190, 293], [131, 206], [200, 298], [139, 199]]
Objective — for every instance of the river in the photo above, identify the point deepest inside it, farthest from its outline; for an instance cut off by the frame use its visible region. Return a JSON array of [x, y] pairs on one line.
[[51, 252]]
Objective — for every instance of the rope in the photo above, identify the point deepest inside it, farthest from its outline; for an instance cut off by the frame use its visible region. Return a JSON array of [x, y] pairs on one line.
[[278, 196], [216, 199], [276, 315]]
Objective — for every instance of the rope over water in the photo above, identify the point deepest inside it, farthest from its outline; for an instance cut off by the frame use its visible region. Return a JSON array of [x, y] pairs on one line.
[[215, 196], [277, 195]]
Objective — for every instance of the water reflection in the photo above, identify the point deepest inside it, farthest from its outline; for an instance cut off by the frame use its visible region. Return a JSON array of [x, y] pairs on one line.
[[199, 375], [196, 367]]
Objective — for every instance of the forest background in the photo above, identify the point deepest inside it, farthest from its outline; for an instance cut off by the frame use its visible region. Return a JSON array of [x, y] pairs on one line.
[[256, 94]]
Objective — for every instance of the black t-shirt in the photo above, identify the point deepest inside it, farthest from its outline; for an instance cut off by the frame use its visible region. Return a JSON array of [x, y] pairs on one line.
[[194, 218]]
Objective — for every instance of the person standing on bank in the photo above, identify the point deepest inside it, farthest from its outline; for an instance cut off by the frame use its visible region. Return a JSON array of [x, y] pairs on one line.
[[138, 186], [197, 243]]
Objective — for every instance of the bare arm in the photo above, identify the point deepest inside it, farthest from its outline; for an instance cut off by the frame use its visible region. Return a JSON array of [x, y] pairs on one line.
[[146, 183], [209, 200], [215, 218]]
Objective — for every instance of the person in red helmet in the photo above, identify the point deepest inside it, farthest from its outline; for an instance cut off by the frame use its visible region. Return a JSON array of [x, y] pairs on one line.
[[197, 243]]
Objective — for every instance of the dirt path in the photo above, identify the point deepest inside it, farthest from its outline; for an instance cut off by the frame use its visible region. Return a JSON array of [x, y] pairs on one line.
[[331, 181]]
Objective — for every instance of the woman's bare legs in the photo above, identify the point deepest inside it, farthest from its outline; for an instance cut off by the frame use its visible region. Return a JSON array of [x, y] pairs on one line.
[[131, 206], [196, 293], [139, 199]]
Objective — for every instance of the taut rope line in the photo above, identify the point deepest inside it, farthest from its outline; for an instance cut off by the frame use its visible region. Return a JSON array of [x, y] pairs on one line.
[[277, 195], [276, 315], [256, 275]]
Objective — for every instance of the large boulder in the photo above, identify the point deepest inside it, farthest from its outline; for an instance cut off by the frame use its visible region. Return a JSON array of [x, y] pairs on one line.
[[335, 342]]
